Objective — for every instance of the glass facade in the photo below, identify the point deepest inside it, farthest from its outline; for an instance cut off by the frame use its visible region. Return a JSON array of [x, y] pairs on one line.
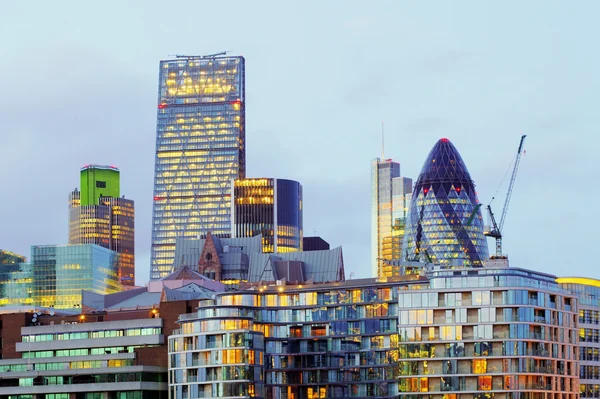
[[588, 294], [61, 272], [200, 149], [16, 284], [10, 258], [445, 225], [270, 207], [326, 341], [56, 275], [488, 333], [109, 223], [390, 196]]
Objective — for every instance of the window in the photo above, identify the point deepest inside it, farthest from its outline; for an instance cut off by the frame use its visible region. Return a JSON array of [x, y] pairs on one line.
[[100, 184]]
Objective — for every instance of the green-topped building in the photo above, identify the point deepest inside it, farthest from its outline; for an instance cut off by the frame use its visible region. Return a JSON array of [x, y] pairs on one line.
[[99, 181], [98, 214]]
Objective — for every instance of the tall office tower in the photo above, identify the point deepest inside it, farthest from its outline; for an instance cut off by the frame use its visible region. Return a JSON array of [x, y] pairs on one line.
[[200, 148], [445, 225], [98, 215], [390, 193], [270, 207]]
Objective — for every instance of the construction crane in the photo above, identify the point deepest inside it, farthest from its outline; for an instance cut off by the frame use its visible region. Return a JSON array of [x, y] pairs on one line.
[[495, 229]]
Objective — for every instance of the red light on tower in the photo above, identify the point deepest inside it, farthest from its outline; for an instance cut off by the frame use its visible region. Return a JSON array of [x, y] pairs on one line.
[[444, 140], [163, 105], [425, 191], [457, 189]]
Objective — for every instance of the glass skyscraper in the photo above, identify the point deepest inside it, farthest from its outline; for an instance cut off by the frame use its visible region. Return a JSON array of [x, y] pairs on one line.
[[98, 215], [445, 225], [270, 207], [200, 149], [390, 196], [57, 274]]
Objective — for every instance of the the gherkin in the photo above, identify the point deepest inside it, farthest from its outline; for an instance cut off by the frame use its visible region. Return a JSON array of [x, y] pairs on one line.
[[444, 223]]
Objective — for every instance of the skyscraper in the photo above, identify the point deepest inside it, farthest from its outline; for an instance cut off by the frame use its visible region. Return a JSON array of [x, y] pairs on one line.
[[390, 195], [445, 225], [270, 207], [98, 215], [200, 149]]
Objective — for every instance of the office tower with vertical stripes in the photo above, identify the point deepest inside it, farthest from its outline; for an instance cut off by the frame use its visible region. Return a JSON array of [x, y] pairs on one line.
[[200, 149]]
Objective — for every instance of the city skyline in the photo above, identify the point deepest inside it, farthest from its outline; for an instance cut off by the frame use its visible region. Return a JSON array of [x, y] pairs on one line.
[[479, 90]]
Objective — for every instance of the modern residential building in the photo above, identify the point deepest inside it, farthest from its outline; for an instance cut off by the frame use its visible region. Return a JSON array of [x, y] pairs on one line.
[[56, 275], [269, 207], [448, 334], [445, 225], [488, 333], [280, 341], [587, 291], [390, 197], [99, 215], [200, 149]]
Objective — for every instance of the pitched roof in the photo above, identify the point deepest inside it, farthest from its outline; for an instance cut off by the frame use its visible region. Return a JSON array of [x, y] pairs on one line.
[[319, 266], [185, 273]]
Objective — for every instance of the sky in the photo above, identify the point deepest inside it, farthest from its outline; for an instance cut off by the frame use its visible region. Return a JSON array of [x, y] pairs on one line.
[[79, 86]]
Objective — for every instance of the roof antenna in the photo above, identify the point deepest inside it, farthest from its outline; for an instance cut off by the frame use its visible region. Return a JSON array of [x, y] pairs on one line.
[[382, 143]]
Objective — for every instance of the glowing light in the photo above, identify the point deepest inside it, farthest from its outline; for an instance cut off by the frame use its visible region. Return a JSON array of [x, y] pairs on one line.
[[578, 280], [162, 105], [444, 140]]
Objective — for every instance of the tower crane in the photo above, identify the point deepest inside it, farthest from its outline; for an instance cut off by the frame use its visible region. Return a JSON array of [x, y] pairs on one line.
[[495, 229]]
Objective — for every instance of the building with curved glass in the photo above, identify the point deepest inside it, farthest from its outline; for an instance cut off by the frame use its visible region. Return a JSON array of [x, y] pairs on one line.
[[588, 295], [445, 225], [217, 353], [482, 333], [269, 207]]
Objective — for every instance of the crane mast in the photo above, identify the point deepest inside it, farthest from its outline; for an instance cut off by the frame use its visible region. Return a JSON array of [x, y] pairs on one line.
[[495, 229], [512, 182]]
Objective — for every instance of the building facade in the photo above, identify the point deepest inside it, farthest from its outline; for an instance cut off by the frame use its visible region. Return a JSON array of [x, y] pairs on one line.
[[488, 333], [61, 272], [105, 354], [445, 225], [588, 295], [56, 275], [10, 258], [390, 196], [200, 149], [308, 341], [99, 181], [269, 207], [99, 215]]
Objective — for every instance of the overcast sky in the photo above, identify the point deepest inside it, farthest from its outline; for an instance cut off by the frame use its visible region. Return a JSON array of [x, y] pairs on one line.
[[79, 86]]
